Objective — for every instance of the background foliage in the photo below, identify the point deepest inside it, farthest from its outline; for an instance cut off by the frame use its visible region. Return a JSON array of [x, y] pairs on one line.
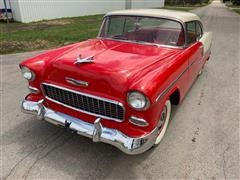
[[184, 2], [236, 2]]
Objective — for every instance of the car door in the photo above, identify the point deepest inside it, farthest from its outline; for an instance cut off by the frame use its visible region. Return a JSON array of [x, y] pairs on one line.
[[195, 49]]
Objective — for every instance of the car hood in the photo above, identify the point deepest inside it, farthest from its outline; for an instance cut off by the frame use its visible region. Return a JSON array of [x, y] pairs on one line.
[[116, 65]]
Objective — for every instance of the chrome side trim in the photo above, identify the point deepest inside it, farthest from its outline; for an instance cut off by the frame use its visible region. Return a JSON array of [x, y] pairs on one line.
[[85, 94], [97, 132], [174, 82]]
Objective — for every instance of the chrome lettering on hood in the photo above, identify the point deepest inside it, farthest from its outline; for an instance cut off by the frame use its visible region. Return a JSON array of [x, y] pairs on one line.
[[76, 82]]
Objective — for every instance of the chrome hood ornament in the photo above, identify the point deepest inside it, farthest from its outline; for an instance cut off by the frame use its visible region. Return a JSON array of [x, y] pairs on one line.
[[81, 60], [76, 82]]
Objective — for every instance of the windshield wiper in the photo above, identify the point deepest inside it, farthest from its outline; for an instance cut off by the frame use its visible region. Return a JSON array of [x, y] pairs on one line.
[[146, 43], [120, 37]]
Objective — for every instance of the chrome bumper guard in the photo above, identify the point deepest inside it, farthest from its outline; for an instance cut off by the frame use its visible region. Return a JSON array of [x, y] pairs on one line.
[[95, 131]]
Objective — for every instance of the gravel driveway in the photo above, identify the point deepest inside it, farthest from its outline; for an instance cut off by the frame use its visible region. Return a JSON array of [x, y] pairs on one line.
[[202, 140]]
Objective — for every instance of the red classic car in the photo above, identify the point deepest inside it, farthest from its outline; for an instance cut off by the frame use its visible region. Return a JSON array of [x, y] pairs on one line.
[[119, 87]]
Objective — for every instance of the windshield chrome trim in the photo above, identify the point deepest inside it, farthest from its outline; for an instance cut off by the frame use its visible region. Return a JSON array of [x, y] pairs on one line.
[[162, 17], [147, 43], [143, 43]]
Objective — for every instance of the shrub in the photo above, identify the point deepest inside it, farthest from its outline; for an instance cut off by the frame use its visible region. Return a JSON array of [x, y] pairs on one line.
[[236, 2], [182, 2]]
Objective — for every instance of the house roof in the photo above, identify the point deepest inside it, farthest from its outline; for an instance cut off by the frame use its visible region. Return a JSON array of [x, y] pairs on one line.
[[160, 13]]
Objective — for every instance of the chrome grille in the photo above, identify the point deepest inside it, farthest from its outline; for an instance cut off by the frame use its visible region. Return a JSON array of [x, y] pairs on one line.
[[85, 103]]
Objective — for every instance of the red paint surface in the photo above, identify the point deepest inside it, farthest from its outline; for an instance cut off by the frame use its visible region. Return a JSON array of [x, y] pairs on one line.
[[118, 68]]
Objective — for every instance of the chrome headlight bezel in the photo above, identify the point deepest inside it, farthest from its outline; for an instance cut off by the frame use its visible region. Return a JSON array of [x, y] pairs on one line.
[[27, 73], [138, 100]]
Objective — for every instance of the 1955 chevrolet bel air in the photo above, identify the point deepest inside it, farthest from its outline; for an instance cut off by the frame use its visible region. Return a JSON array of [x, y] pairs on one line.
[[119, 87]]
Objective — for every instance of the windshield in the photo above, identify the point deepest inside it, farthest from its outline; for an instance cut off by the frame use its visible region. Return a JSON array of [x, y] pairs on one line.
[[143, 29]]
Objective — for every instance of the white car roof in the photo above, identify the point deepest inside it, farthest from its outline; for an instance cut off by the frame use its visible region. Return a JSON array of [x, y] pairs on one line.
[[160, 13]]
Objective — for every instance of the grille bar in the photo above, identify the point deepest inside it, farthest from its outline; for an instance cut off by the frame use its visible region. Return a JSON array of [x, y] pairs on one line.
[[86, 103]]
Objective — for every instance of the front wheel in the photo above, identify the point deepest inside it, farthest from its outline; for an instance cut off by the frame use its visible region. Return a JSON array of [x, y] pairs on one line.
[[163, 121]]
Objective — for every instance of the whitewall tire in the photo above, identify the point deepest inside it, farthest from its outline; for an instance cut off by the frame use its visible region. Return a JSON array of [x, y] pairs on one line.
[[163, 121]]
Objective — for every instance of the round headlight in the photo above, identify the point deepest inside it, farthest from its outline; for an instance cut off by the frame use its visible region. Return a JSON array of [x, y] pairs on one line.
[[27, 73], [137, 100]]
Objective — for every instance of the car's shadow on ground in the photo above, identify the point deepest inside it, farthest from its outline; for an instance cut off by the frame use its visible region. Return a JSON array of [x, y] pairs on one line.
[[44, 147], [50, 147]]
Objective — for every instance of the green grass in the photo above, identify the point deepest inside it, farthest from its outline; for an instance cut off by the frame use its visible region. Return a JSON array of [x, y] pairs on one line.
[[21, 37], [237, 10], [233, 7]]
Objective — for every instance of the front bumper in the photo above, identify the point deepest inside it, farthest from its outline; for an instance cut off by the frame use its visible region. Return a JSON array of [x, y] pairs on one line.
[[94, 131]]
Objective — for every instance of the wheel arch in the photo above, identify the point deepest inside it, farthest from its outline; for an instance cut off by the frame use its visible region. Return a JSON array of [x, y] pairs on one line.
[[175, 96]]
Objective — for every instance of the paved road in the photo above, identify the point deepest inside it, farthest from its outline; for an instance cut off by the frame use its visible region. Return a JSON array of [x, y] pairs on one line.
[[201, 142]]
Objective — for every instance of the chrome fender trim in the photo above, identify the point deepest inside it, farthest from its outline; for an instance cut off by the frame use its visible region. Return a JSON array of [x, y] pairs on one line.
[[96, 131]]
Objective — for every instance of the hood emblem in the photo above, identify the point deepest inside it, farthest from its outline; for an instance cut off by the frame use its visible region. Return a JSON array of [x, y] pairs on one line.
[[76, 82], [81, 60]]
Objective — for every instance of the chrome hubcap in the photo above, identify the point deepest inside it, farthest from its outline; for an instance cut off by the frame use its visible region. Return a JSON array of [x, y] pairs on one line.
[[162, 118]]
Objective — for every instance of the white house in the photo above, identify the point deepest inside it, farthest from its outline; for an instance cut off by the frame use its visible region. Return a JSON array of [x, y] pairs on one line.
[[35, 10]]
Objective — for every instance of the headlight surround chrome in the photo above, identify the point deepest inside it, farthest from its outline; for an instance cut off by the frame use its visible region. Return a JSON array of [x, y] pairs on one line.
[[27, 73], [138, 100]]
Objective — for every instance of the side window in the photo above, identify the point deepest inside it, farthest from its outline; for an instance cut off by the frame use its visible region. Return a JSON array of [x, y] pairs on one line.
[[191, 32], [199, 30]]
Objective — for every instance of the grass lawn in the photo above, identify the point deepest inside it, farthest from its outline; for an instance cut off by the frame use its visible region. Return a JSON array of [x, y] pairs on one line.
[[237, 10], [21, 37], [234, 8]]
